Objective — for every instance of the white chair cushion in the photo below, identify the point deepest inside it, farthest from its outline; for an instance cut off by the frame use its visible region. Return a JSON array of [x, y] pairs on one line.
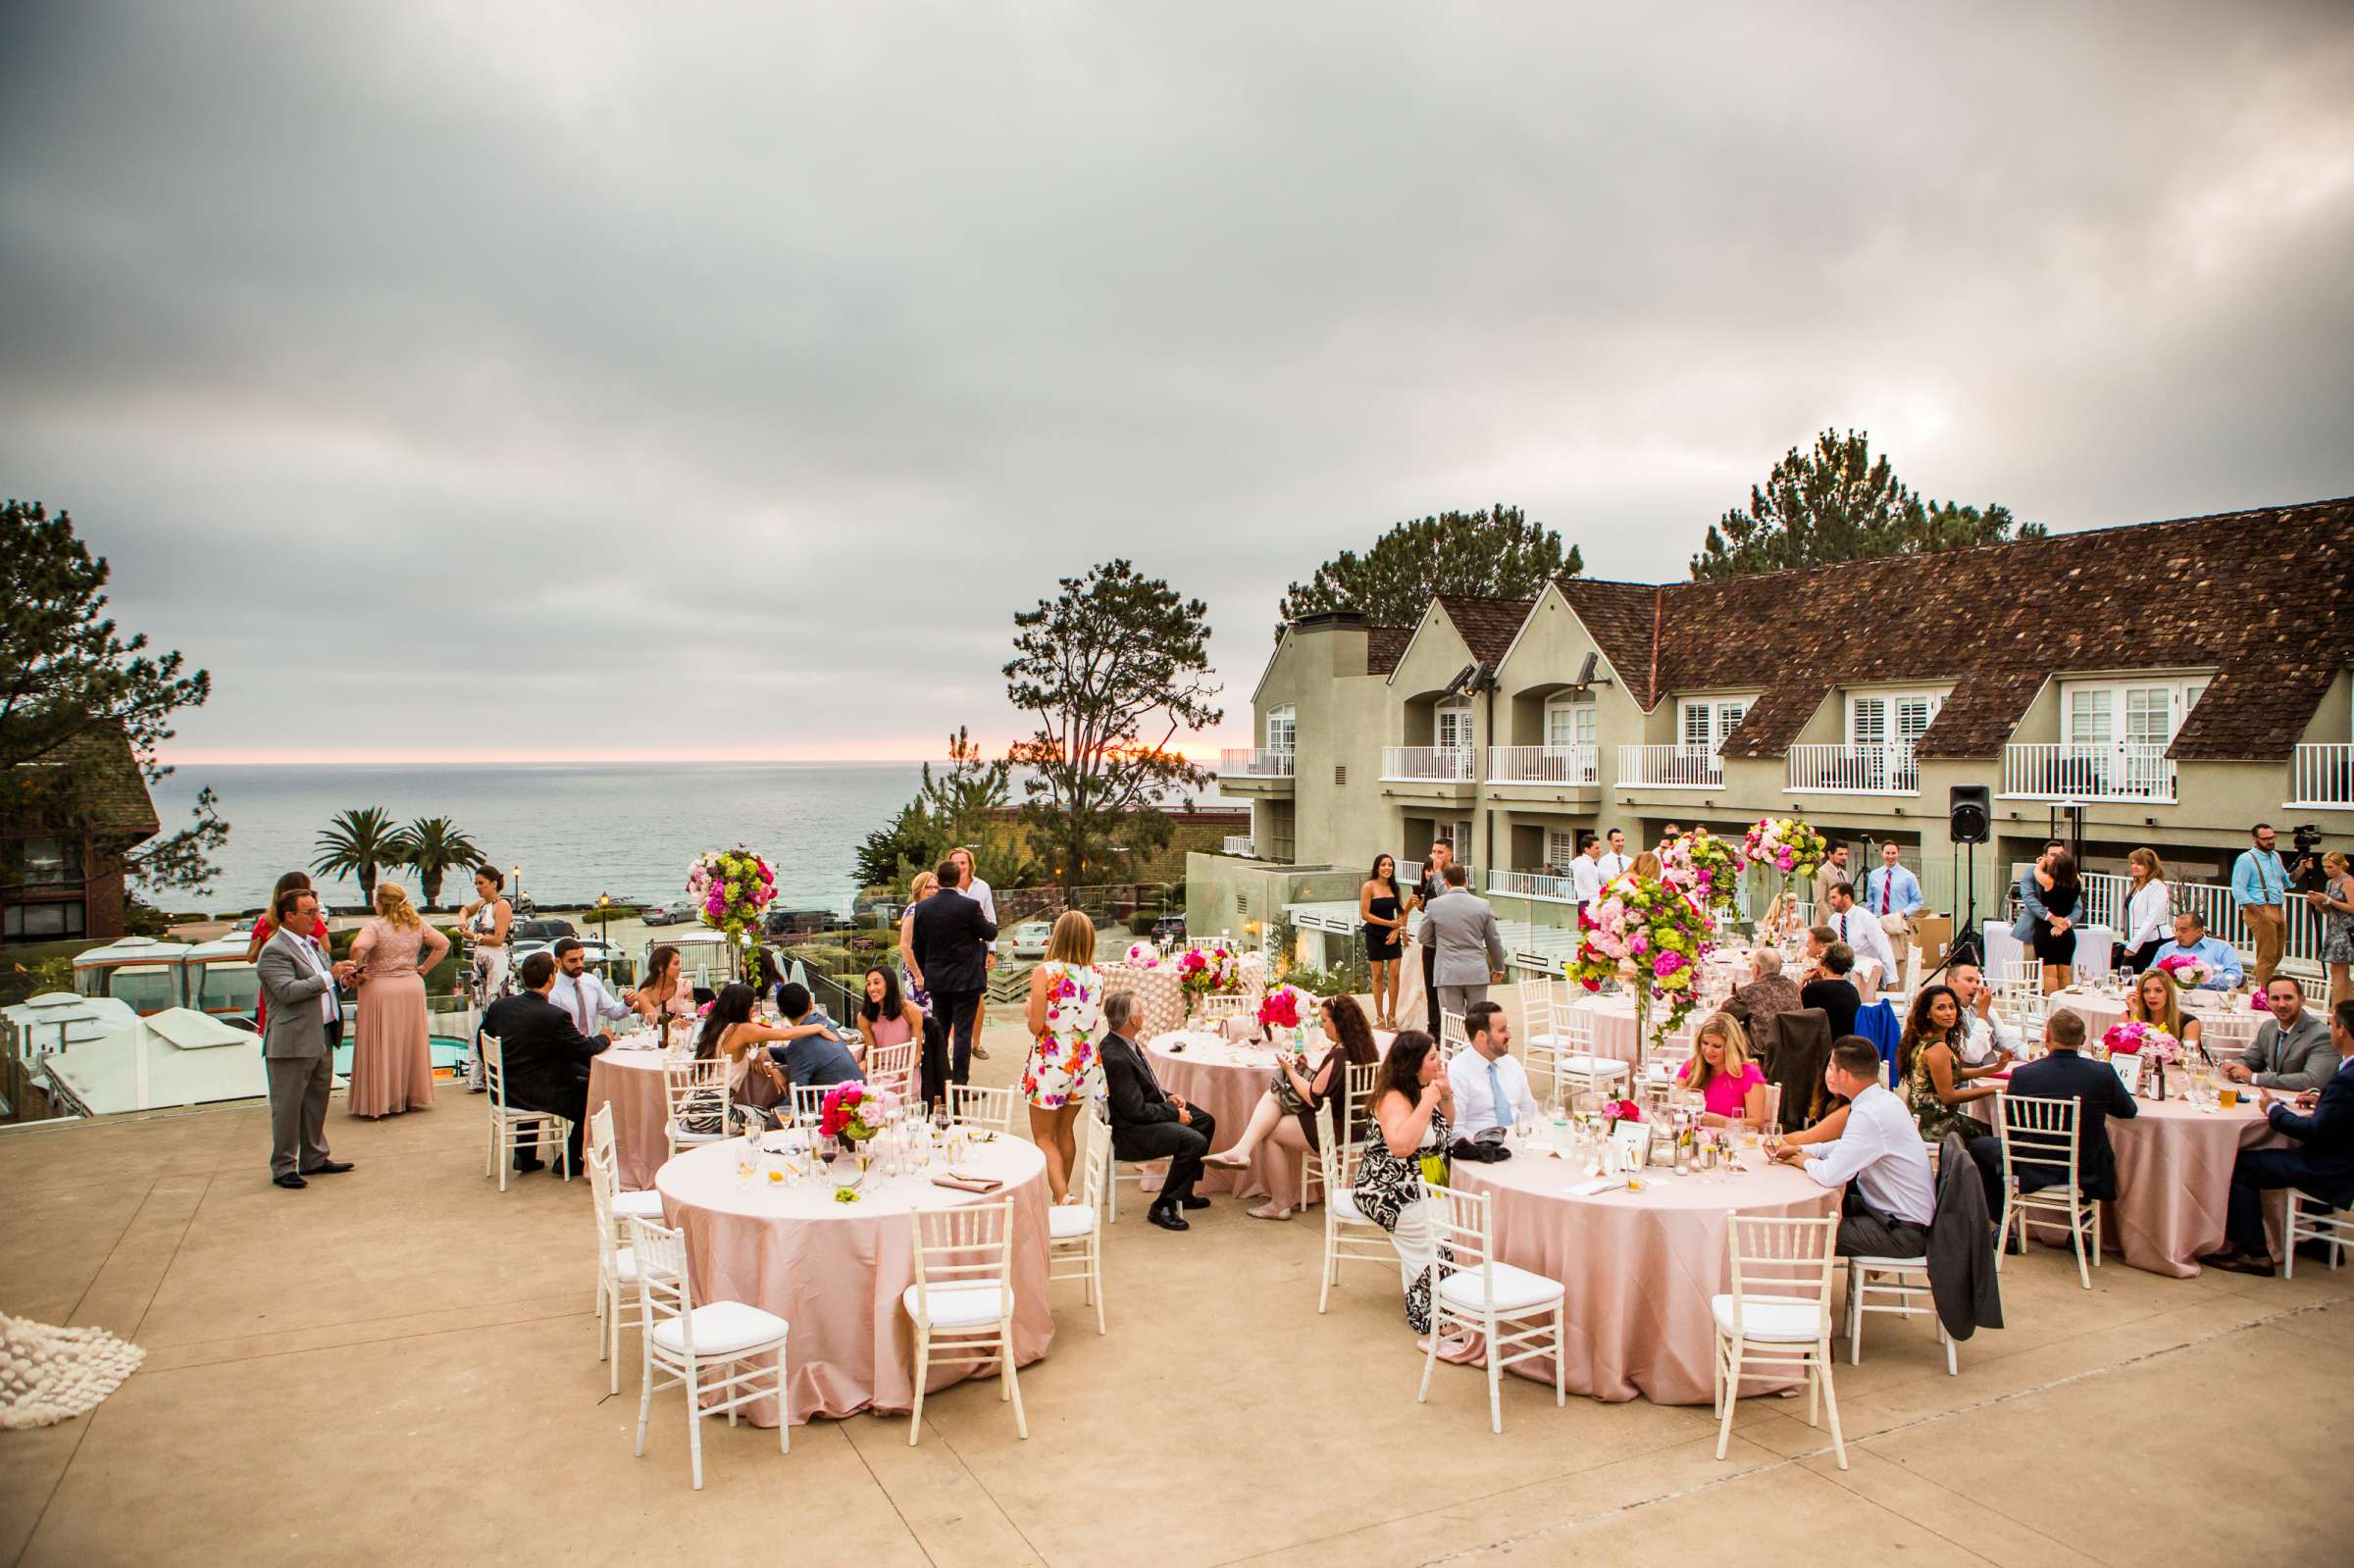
[[646, 1205], [1591, 1066], [1764, 1317], [624, 1265], [1067, 1222], [1889, 1265], [679, 1135], [961, 1306], [1551, 1040], [1344, 1206], [1516, 1289], [720, 1328]]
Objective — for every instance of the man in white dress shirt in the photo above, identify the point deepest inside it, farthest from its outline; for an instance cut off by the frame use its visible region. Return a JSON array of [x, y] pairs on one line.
[[1615, 864], [1985, 1035], [1860, 931], [1879, 1158], [1585, 872], [583, 995], [1490, 1088]]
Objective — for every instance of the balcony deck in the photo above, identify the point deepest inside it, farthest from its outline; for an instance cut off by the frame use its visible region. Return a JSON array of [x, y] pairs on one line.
[[397, 1366]]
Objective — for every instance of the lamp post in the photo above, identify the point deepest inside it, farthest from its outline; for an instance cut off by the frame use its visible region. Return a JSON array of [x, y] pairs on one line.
[[604, 902], [516, 871]]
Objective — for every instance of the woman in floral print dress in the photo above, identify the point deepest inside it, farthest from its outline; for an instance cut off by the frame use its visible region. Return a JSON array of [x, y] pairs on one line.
[[1066, 1003]]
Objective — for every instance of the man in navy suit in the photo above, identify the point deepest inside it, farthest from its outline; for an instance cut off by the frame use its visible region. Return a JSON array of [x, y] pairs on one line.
[[2063, 1073], [951, 936], [2322, 1165]]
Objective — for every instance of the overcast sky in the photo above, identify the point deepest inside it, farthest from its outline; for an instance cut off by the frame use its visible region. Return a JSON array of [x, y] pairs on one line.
[[504, 379]]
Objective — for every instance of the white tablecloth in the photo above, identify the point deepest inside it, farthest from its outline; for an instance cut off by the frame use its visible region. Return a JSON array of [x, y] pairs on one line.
[[2093, 943]]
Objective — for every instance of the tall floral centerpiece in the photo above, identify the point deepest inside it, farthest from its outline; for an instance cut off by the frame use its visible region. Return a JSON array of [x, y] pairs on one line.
[[730, 888], [1790, 847], [1649, 935], [1715, 866]]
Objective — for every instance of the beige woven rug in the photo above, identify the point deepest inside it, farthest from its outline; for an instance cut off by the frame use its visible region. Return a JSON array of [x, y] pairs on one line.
[[49, 1375]]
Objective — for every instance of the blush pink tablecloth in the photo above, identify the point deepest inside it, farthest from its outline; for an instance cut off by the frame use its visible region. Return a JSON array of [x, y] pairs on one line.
[[1639, 1267], [836, 1271], [2101, 1011], [1614, 1035], [2174, 1181], [1226, 1080], [630, 1081]]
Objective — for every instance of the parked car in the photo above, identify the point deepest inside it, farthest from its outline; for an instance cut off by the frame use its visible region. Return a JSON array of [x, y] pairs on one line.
[[675, 913], [1030, 938], [538, 932], [803, 921], [1168, 932]]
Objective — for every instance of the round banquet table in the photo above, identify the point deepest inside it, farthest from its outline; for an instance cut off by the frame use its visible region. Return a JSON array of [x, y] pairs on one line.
[[836, 1271], [1639, 1267], [2101, 1011], [1226, 1080], [1614, 1035], [2173, 1180], [630, 1081]]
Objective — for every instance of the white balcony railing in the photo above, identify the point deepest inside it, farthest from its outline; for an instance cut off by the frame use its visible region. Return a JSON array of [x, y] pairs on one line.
[[2109, 770], [1533, 885], [1262, 762], [2323, 774], [1418, 764], [1541, 764], [1876, 768], [1239, 844], [1670, 768]]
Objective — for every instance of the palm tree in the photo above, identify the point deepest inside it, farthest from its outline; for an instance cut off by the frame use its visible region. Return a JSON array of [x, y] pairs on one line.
[[358, 841], [433, 848]]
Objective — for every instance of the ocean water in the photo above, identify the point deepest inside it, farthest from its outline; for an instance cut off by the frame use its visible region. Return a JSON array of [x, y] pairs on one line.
[[578, 829]]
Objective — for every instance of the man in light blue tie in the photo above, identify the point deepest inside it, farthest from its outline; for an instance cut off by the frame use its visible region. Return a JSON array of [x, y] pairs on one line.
[[1490, 1088]]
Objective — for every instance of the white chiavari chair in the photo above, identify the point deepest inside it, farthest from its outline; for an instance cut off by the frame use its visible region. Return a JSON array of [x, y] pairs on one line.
[[698, 1098], [961, 1302], [1777, 1316], [2231, 1033], [1471, 1290], [2043, 1132], [1453, 1036], [726, 1354], [891, 1069], [1348, 1233], [1075, 1230], [1897, 1286], [1545, 1001], [1219, 1010], [618, 1306], [513, 1127], [975, 1106], [2310, 1219], [1131, 1172], [647, 1204]]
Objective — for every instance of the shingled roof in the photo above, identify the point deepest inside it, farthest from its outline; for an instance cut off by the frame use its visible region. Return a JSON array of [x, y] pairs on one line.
[[1486, 626], [115, 791], [2258, 596], [1385, 645]]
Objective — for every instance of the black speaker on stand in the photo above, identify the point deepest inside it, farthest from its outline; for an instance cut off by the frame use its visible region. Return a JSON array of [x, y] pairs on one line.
[[1968, 823]]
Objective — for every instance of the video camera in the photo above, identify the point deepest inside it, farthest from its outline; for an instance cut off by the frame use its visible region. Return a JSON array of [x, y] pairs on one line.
[[2305, 862]]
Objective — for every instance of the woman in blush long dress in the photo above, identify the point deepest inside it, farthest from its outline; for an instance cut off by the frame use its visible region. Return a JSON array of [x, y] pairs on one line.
[[391, 1054]]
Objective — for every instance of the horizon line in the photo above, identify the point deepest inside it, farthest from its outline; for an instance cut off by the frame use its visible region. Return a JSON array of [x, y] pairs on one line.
[[264, 757]]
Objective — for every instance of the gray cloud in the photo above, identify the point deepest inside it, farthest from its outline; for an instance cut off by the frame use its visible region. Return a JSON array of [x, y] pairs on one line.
[[732, 374]]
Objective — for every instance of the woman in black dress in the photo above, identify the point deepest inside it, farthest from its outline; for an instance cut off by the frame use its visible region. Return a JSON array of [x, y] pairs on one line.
[[1383, 910], [2056, 932]]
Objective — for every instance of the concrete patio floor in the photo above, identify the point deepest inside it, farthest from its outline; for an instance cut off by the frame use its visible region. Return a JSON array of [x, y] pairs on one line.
[[398, 1365]]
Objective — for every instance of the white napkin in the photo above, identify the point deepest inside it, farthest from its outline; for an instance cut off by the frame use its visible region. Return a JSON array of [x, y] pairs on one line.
[[1598, 1184]]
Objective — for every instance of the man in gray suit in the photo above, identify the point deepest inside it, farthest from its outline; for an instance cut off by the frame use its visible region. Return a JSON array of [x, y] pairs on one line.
[[1466, 949], [2293, 1049], [306, 1021]]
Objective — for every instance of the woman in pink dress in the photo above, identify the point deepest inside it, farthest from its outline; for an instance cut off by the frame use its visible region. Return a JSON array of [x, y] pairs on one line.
[[665, 1000], [1732, 1088], [886, 1018], [391, 1054]]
